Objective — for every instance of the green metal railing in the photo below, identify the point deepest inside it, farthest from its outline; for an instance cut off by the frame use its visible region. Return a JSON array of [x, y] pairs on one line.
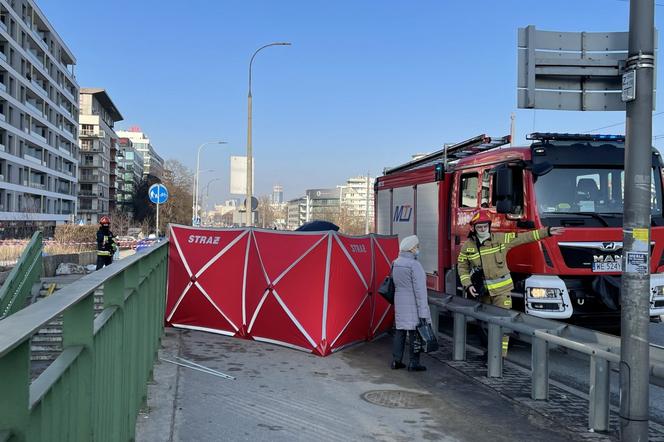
[[94, 390], [25, 273]]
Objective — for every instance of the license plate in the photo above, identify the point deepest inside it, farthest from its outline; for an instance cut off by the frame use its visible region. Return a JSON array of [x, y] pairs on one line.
[[607, 266]]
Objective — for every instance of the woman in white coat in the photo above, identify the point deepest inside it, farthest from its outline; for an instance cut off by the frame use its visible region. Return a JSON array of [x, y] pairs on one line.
[[411, 306]]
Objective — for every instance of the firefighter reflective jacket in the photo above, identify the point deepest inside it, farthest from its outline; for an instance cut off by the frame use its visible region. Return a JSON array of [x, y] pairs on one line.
[[105, 243], [491, 257]]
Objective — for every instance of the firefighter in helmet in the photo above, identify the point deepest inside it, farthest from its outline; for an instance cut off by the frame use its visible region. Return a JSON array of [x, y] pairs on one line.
[[482, 263], [106, 245]]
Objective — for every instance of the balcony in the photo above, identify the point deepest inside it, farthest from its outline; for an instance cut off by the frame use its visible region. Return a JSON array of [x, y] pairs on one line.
[[32, 158], [68, 132], [39, 88], [35, 107], [3, 26], [3, 88], [65, 110], [3, 148], [86, 133], [3, 57], [93, 178], [2, 117], [38, 135], [35, 58]]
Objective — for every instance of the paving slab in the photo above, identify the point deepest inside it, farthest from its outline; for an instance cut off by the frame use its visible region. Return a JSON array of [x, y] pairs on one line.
[[281, 394]]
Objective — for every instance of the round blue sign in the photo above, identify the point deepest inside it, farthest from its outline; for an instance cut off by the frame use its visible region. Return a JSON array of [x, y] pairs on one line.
[[158, 193]]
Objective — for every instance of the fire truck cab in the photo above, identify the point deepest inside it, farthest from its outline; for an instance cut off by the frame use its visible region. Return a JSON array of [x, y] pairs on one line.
[[571, 180]]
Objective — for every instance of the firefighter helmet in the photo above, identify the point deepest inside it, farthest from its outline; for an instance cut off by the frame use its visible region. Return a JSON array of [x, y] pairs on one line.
[[479, 217], [105, 221]]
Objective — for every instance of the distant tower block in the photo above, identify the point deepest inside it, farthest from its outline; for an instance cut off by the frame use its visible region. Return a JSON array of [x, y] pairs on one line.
[[277, 194]]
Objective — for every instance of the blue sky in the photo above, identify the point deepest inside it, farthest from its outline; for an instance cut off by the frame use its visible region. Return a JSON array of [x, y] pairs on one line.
[[364, 85]]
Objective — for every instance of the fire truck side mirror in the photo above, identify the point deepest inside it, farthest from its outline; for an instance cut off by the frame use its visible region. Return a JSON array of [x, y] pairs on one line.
[[504, 182], [504, 206]]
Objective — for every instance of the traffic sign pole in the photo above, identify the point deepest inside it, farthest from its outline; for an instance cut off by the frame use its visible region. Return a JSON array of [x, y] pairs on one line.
[[157, 227], [158, 194]]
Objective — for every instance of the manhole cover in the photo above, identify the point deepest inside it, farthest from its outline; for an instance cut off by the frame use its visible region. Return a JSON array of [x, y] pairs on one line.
[[397, 398]]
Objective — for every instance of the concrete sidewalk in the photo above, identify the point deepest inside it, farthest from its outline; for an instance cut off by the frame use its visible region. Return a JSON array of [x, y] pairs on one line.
[[285, 395]]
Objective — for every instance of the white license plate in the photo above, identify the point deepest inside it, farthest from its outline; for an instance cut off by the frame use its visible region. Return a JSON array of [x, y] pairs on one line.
[[607, 266]]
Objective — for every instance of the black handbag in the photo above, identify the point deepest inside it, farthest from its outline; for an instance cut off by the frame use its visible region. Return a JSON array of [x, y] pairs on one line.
[[387, 289], [427, 341]]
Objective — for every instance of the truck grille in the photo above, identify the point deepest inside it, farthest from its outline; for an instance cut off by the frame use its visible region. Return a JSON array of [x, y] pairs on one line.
[[581, 255]]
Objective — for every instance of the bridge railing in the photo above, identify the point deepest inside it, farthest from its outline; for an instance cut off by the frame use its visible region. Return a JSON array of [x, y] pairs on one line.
[[95, 388], [602, 348], [26, 272]]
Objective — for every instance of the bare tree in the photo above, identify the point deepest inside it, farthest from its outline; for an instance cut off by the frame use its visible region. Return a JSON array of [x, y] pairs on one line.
[[121, 221], [177, 210]]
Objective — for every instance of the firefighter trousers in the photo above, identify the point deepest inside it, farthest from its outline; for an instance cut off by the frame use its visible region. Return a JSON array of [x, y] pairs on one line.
[[503, 301]]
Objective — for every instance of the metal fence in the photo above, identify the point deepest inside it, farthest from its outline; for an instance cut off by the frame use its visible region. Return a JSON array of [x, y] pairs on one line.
[[95, 388], [26, 272], [601, 347]]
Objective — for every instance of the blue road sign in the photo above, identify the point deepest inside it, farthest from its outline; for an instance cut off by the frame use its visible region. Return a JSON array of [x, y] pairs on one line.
[[158, 193]]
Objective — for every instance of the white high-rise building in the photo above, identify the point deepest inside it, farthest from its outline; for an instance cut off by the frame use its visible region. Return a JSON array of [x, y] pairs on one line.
[[39, 111], [357, 196], [153, 164], [277, 194]]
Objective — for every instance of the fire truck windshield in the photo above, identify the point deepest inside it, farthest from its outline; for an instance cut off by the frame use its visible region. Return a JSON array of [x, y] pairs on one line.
[[588, 191]]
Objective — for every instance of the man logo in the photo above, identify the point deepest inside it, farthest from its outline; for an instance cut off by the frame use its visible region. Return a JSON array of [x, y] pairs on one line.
[[402, 214], [608, 246]]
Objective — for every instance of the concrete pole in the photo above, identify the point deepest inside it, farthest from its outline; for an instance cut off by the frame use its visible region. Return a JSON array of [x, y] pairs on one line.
[[512, 128], [635, 302], [250, 148], [366, 210]]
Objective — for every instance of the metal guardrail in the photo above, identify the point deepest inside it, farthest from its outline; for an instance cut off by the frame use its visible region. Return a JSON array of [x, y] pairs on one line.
[[601, 347], [95, 388], [26, 272]]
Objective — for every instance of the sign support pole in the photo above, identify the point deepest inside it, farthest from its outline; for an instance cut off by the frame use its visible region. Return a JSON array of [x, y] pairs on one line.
[[157, 226]]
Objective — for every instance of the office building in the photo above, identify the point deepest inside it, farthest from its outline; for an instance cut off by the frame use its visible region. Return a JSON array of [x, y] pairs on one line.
[[153, 164]]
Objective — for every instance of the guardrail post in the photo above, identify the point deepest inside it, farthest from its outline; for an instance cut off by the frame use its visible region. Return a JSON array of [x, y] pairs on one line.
[[495, 356], [459, 353], [540, 369], [14, 406], [78, 329], [435, 317], [598, 414]]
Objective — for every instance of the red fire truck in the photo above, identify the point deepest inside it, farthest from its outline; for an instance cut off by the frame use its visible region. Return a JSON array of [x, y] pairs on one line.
[[570, 180]]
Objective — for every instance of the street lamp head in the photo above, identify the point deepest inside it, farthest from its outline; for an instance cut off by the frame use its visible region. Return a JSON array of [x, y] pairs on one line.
[[283, 43]]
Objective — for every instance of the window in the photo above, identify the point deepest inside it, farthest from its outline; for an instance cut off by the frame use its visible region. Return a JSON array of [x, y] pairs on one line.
[[468, 190], [485, 194]]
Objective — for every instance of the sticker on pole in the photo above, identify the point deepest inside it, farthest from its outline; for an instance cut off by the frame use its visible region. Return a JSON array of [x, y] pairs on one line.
[[636, 262], [158, 193]]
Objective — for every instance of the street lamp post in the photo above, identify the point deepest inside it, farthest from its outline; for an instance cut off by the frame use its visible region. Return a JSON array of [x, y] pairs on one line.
[[250, 190], [194, 196], [207, 192]]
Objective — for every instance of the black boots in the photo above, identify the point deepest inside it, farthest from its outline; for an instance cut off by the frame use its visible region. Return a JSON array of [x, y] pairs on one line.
[[397, 365], [417, 367]]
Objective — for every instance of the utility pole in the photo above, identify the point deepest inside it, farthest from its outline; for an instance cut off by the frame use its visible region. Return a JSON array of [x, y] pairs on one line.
[[366, 213], [635, 293], [512, 128]]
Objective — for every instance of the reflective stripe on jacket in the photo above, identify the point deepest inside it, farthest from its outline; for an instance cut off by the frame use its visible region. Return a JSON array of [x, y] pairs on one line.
[[491, 257]]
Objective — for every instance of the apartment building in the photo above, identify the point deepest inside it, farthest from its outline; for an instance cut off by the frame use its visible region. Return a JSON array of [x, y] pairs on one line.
[[38, 122], [153, 164], [296, 213], [132, 167], [98, 166], [357, 196]]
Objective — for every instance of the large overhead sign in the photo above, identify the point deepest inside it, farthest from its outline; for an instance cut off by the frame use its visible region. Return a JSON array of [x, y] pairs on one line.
[[581, 71]]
